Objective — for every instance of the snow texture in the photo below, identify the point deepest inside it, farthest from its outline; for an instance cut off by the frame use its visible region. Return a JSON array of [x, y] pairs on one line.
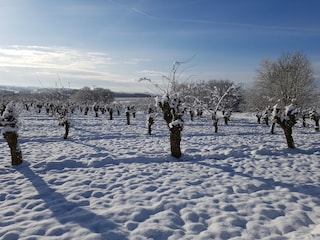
[[110, 180]]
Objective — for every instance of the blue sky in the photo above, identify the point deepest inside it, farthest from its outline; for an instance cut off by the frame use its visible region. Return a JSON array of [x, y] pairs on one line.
[[112, 43]]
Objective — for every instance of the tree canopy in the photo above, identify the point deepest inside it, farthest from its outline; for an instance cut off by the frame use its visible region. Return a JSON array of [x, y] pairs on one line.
[[287, 79]]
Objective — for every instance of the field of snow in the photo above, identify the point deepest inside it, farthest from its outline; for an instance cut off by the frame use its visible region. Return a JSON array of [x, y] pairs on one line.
[[112, 181]]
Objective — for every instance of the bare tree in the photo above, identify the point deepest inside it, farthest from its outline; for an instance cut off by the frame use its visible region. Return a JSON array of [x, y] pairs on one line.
[[172, 107], [288, 79], [87, 95]]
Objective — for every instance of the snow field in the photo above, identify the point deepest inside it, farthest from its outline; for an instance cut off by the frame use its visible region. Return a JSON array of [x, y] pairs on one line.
[[109, 180]]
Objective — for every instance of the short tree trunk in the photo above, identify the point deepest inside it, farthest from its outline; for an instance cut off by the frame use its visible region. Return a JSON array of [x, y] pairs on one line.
[[272, 128], [226, 120], [12, 140], [316, 127], [304, 121], [150, 123], [111, 115], [128, 118], [258, 119], [215, 124], [149, 129], [175, 139], [191, 115], [289, 138], [66, 128]]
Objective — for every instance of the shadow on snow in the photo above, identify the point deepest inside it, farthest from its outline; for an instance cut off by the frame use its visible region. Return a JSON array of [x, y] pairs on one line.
[[66, 211]]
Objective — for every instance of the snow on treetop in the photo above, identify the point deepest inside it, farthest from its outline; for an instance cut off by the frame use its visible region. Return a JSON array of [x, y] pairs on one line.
[[10, 113], [291, 109]]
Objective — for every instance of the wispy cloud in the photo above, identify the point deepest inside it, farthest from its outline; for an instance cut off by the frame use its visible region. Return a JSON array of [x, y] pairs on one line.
[[53, 60], [139, 11], [135, 61], [229, 24]]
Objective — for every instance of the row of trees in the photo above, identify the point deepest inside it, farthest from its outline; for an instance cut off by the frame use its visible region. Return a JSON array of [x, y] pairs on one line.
[[286, 86], [62, 95]]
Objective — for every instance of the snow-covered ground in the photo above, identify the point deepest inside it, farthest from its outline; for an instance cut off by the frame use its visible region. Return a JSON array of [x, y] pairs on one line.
[[109, 180]]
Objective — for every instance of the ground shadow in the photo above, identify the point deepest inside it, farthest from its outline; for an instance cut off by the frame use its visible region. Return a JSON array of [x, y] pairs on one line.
[[66, 211]]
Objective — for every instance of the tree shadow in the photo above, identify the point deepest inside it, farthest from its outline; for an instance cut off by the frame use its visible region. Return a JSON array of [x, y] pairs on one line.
[[66, 211]]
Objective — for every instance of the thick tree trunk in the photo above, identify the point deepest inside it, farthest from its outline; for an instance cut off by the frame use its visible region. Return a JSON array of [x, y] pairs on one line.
[[12, 140], [175, 139], [288, 134]]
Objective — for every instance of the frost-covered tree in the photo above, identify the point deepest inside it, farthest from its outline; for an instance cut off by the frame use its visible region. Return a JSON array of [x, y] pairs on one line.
[[63, 115], [150, 119], [286, 118], [172, 107], [289, 78], [87, 95], [315, 116], [9, 121]]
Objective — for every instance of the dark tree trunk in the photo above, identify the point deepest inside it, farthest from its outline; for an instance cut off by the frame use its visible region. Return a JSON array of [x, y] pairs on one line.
[[191, 115], [150, 123], [288, 134], [272, 128], [266, 121], [258, 119], [215, 124], [317, 125], [111, 114], [304, 121], [12, 140], [149, 129], [175, 139], [128, 118], [226, 119], [66, 127]]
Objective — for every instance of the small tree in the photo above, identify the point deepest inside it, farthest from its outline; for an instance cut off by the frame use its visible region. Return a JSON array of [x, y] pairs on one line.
[[9, 120], [150, 119], [128, 115], [315, 117], [64, 121], [171, 105], [286, 118]]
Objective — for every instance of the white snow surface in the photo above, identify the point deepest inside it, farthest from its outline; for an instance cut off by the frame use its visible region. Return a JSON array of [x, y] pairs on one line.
[[112, 181]]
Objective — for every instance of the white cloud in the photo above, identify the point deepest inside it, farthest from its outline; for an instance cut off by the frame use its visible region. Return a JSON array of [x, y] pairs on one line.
[[52, 60]]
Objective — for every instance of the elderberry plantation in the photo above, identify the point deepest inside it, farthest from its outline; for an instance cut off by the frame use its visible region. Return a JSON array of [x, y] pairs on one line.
[[111, 180]]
